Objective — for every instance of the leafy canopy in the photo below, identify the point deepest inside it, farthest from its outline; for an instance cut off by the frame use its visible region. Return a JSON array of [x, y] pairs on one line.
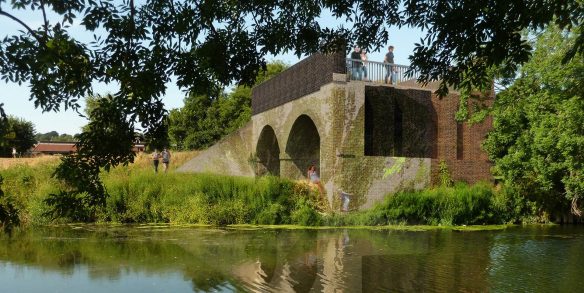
[[203, 120], [537, 142], [206, 43], [209, 42], [55, 136], [16, 133]]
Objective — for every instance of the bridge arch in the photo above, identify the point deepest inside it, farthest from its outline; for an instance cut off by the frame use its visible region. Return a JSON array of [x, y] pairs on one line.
[[268, 152], [303, 146]]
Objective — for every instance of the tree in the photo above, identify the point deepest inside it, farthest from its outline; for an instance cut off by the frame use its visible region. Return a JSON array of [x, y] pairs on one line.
[[84, 193], [55, 136], [537, 143], [203, 121], [17, 133], [207, 44]]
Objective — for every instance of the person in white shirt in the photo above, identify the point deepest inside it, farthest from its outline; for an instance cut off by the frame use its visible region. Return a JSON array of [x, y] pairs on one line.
[[155, 160]]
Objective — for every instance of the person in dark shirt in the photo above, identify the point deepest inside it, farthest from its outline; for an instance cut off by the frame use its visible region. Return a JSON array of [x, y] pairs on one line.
[[364, 58], [356, 65], [390, 74]]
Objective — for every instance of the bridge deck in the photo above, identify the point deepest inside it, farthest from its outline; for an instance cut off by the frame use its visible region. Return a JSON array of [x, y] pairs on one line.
[[308, 75]]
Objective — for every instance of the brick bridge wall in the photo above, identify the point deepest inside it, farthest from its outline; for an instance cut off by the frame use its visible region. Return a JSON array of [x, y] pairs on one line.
[[303, 78], [353, 120]]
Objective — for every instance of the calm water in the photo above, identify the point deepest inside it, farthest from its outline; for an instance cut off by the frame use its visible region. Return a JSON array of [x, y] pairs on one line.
[[161, 259]]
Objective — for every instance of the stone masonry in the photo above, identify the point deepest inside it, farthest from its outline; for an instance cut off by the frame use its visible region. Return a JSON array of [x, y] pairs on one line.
[[365, 139]]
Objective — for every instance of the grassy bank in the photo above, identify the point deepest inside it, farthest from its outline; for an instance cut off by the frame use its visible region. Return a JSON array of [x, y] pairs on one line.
[[137, 195], [461, 204]]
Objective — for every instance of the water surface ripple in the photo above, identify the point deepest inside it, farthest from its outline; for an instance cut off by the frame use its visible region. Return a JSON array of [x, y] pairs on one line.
[[185, 259]]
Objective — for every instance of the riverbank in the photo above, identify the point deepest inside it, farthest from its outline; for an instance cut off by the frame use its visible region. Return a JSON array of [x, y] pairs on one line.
[[138, 195]]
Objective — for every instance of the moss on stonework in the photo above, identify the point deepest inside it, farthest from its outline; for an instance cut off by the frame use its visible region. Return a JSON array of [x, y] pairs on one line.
[[422, 175], [357, 172]]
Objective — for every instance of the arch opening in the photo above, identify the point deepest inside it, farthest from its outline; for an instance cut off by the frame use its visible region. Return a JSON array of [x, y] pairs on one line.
[[303, 146], [268, 153]]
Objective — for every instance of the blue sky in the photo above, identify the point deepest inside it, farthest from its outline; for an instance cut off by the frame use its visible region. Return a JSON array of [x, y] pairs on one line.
[[16, 97]]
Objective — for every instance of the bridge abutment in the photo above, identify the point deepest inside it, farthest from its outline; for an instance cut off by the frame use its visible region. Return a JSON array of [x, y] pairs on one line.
[[366, 139]]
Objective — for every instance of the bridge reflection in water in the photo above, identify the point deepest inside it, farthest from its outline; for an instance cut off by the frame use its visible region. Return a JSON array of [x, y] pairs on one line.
[[170, 259]]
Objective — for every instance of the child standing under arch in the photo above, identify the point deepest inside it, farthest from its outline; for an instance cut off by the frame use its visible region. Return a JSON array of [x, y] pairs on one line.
[[313, 178]]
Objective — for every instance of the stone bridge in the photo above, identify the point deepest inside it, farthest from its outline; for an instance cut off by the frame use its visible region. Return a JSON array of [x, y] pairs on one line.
[[365, 138]]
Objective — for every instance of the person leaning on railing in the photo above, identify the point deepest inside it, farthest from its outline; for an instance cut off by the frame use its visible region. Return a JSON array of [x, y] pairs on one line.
[[390, 69]]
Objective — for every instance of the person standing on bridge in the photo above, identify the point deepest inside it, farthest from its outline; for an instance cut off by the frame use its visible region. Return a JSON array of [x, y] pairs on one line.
[[356, 65], [364, 65], [390, 76]]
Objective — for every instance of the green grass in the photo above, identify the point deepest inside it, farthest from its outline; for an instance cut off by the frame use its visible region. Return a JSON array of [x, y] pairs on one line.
[[444, 206], [137, 195], [144, 197]]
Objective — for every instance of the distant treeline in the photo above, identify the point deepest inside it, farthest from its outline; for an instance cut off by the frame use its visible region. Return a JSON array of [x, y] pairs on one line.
[[55, 136], [204, 119]]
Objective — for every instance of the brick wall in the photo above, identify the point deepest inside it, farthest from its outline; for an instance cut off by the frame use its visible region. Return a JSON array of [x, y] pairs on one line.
[[399, 123], [462, 152], [303, 78], [429, 131]]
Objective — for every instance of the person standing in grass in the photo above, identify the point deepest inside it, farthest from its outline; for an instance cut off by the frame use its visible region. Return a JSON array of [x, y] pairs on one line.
[[155, 160], [14, 152], [165, 159]]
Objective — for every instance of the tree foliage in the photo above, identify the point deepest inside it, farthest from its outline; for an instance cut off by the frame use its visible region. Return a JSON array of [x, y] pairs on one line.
[[95, 150], [8, 212], [55, 136], [207, 44], [203, 120], [16, 133], [538, 139]]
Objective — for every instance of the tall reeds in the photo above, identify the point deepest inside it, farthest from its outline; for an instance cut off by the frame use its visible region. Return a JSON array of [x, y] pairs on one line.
[[138, 195]]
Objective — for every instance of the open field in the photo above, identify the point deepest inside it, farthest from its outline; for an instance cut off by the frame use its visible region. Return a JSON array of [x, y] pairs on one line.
[[6, 163], [142, 160]]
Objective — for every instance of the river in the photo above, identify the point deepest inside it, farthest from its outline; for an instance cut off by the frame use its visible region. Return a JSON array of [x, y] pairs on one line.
[[94, 258]]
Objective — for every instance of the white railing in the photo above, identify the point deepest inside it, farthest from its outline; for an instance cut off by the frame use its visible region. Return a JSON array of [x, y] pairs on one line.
[[378, 72]]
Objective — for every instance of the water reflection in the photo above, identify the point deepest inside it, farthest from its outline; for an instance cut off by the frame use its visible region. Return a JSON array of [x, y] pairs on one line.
[[120, 259]]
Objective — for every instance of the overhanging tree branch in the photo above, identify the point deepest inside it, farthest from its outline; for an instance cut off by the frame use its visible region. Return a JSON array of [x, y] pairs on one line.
[[32, 32], [46, 22]]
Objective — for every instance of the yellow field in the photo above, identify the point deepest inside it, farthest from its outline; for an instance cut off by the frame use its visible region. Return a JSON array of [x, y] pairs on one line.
[[6, 163], [177, 159], [142, 160]]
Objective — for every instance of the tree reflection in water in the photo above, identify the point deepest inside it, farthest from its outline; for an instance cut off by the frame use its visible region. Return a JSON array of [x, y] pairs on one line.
[[279, 260]]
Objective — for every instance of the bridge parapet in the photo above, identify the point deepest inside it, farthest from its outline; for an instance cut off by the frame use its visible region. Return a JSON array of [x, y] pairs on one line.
[[308, 75], [303, 78], [380, 72]]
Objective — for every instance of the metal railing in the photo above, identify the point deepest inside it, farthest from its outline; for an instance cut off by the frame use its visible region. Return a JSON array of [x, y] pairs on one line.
[[378, 72]]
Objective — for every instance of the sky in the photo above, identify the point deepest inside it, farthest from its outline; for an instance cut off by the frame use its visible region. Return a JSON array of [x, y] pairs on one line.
[[16, 97]]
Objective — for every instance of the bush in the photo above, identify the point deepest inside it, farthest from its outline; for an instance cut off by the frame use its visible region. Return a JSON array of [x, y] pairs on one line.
[[137, 195], [458, 205]]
